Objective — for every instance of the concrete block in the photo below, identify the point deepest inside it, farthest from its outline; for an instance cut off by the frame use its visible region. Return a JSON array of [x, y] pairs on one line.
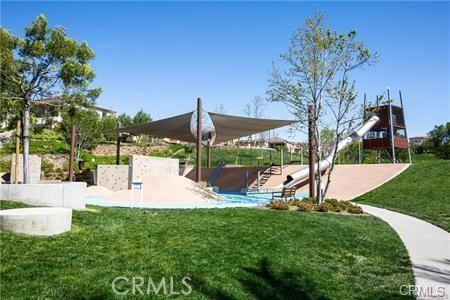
[[44, 221], [35, 168], [65, 194], [113, 177], [142, 166]]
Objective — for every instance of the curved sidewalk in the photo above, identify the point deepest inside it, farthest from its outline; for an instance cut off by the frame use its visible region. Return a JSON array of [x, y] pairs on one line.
[[428, 247]]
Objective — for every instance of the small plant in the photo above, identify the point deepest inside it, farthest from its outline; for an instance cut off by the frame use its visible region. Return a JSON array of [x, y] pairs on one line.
[[355, 209], [279, 205], [305, 206], [324, 207]]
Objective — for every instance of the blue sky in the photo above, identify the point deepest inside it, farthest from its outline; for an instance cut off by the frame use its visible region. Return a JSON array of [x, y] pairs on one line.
[[162, 56]]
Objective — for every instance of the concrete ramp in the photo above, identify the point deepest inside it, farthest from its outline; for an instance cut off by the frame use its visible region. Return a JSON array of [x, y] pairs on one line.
[[351, 181]]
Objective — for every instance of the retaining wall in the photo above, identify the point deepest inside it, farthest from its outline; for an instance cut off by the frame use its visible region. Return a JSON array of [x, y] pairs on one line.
[[69, 195]]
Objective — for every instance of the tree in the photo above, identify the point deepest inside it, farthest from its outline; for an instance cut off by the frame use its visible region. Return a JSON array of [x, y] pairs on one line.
[[439, 142], [220, 109], [125, 120], [87, 124], [141, 117], [9, 104], [314, 72], [107, 125], [45, 63], [255, 109]]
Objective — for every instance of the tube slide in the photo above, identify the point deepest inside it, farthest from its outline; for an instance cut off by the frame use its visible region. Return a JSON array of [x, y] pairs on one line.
[[299, 176]]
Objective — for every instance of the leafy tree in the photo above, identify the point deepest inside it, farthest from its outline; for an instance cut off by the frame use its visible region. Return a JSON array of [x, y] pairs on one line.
[[314, 72], [87, 124], [141, 117], [45, 63], [107, 124], [439, 142], [124, 120]]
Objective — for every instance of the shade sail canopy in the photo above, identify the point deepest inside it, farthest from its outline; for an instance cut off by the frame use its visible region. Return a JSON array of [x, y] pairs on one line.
[[226, 127], [232, 127], [177, 128]]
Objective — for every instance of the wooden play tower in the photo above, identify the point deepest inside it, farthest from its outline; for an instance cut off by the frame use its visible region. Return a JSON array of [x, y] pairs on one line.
[[390, 133]]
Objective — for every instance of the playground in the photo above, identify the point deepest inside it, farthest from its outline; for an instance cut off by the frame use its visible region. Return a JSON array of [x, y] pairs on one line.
[[204, 158]]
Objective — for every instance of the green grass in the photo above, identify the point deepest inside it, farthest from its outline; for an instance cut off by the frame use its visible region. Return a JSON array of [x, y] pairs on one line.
[[228, 253], [422, 191]]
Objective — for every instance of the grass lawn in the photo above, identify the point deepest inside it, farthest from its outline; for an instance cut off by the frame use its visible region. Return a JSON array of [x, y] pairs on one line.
[[422, 191], [228, 253]]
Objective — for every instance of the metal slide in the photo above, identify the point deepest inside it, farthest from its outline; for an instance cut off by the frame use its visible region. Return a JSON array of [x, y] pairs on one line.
[[303, 174]]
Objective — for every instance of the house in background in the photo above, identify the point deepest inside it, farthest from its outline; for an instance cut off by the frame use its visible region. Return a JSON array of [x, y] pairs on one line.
[[47, 113], [418, 140], [48, 116]]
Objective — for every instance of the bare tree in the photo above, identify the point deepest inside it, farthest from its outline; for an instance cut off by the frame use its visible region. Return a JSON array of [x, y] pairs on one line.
[[255, 109], [341, 94], [220, 109], [306, 74]]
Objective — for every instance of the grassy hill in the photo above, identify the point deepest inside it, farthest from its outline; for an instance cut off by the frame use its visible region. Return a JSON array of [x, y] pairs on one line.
[[227, 253], [422, 191]]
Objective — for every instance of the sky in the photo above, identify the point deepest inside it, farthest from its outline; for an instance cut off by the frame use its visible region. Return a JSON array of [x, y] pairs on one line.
[[161, 56]]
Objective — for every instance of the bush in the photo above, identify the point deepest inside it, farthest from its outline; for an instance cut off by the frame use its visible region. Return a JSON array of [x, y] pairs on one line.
[[308, 204], [354, 209], [5, 165], [305, 206], [279, 204]]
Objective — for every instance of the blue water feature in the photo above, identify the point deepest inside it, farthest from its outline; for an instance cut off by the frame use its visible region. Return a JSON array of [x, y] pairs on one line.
[[230, 199], [250, 199]]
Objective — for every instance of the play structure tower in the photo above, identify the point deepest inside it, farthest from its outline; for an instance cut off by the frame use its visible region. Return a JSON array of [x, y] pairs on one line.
[[389, 134]]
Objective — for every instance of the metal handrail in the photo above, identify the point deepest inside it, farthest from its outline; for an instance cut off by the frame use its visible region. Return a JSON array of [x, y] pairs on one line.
[[213, 178]]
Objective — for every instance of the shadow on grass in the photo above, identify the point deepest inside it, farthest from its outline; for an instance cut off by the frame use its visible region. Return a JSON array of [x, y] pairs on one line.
[[262, 282]]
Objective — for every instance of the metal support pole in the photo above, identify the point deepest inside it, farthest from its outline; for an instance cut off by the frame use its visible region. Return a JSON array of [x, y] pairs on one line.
[[281, 160], [312, 152], [301, 156], [72, 152], [246, 179], [118, 146], [361, 141], [258, 181], [404, 121], [16, 175], [199, 140], [391, 127], [208, 155]]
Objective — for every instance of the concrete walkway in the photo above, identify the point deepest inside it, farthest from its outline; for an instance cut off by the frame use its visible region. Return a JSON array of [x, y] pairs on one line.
[[428, 247]]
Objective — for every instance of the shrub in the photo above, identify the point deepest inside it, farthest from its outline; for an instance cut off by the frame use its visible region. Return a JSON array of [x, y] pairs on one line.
[[324, 207], [355, 209], [279, 204], [305, 206]]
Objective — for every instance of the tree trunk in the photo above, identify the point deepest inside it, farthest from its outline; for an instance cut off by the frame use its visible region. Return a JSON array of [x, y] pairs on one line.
[[26, 140]]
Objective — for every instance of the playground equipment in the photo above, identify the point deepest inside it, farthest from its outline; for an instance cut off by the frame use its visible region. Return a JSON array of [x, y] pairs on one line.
[[300, 176], [389, 134]]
